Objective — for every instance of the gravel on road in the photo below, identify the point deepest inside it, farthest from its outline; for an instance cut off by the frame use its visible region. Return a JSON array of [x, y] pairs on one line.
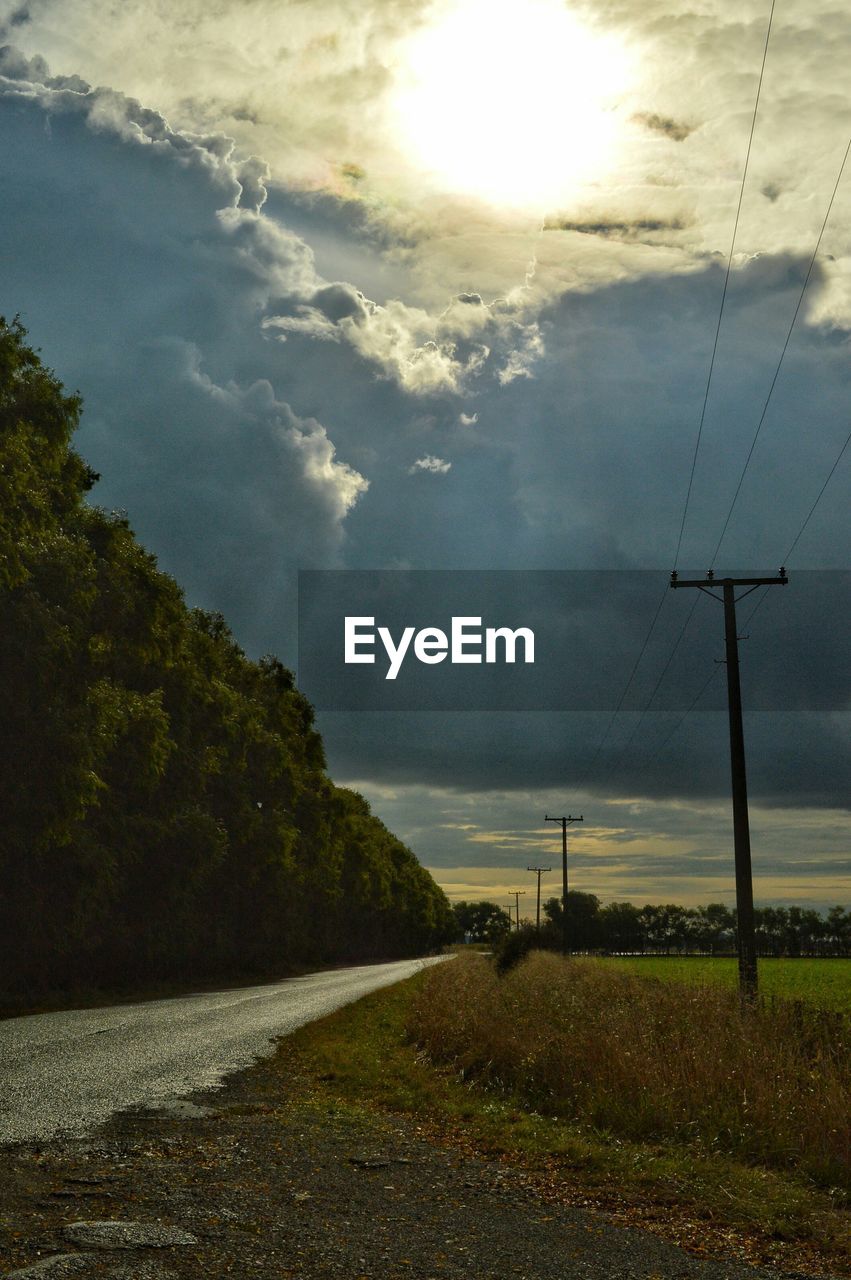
[[257, 1185]]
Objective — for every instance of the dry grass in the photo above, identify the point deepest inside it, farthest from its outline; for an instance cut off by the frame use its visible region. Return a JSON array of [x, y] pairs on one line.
[[644, 1059]]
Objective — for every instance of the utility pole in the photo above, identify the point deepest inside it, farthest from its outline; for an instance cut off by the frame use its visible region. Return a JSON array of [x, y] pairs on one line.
[[741, 825], [518, 893], [565, 822], [539, 871]]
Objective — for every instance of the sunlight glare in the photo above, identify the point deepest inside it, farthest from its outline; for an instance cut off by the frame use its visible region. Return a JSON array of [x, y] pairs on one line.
[[510, 100]]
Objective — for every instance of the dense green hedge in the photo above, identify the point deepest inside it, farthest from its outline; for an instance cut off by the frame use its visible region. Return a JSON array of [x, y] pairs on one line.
[[164, 806]]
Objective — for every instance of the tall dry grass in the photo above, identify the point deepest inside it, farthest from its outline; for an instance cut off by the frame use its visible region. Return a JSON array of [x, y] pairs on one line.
[[647, 1059]]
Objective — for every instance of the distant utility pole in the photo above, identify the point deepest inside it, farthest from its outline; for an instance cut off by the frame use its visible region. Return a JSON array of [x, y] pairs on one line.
[[741, 825], [518, 893], [565, 822], [539, 871]]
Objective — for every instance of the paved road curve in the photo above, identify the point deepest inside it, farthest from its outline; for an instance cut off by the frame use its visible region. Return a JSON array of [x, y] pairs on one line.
[[67, 1072]]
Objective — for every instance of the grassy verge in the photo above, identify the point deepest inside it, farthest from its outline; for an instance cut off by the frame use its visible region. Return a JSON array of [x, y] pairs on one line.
[[648, 1059], [363, 1059]]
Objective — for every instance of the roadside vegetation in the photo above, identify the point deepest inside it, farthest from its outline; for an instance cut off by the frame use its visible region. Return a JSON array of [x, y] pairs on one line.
[[376, 1054], [167, 814], [650, 1060]]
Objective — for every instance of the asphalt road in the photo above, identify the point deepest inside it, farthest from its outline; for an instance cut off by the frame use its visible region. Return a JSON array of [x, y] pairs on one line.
[[65, 1073]]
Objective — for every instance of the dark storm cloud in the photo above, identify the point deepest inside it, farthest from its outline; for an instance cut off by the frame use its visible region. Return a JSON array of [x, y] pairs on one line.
[[613, 229], [155, 240], [577, 635], [793, 761], [674, 129], [337, 301]]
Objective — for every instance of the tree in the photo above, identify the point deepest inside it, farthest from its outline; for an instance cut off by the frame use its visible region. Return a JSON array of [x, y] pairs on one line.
[[621, 927], [714, 927], [481, 921], [583, 919], [166, 807]]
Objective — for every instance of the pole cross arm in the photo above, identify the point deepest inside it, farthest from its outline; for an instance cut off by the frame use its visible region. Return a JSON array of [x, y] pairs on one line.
[[711, 580]]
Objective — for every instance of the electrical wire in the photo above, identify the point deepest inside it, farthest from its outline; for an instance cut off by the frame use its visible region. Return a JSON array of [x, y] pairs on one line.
[[809, 514], [760, 599], [724, 292], [656, 688], [762, 417], [806, 521], [590, 769], [663, 744]]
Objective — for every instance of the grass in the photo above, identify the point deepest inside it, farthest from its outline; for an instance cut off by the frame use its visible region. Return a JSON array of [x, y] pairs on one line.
[[650, 1059], [825, 984], [364, 1058]]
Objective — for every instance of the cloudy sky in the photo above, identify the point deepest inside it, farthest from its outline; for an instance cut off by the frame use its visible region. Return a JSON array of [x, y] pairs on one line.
[[411, 285]]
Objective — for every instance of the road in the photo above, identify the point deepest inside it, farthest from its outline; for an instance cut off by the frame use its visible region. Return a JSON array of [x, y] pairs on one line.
[[65, 1073]]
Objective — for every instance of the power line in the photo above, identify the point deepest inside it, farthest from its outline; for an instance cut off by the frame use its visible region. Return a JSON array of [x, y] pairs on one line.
[[636, 664], [782, 355], [806, 521], [655, 617], [691, 706], [724, 292], [760, 599], [809, 514], [656, 687]]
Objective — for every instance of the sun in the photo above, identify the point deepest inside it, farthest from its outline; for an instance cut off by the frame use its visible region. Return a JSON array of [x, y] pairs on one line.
[[510, 101]]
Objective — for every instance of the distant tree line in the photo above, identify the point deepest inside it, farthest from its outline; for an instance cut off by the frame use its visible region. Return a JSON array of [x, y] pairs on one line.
[[164, 806], [666, 929]]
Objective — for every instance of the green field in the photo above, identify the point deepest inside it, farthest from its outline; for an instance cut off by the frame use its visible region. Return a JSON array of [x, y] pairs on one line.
[[823, 983]]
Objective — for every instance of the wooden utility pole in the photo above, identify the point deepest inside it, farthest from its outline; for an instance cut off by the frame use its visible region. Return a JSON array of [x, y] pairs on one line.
[[564, 825], [517, 895], [539, 871], [741, 826]]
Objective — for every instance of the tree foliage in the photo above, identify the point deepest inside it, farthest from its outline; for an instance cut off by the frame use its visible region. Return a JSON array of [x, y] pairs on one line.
[[166, 809], [671, 929], [480, 921]]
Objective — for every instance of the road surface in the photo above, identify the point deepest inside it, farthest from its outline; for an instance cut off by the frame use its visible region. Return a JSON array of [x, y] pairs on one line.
[[65, 1073]]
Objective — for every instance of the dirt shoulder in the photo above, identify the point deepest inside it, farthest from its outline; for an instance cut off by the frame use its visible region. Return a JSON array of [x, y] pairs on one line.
[[277, 1175]]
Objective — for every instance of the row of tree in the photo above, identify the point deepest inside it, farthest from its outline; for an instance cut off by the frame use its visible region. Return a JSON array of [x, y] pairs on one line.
[[164, 803], [666, 929]]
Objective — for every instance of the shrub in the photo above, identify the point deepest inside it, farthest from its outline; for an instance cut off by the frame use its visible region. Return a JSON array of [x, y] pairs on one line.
[[514, 947]]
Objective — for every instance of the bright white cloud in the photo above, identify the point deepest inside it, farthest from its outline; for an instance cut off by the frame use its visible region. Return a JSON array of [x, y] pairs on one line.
[[424, 352], [434, 466], [310, 88]]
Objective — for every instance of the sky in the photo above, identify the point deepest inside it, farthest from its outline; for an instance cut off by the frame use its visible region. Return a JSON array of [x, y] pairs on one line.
[[410, 285]]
